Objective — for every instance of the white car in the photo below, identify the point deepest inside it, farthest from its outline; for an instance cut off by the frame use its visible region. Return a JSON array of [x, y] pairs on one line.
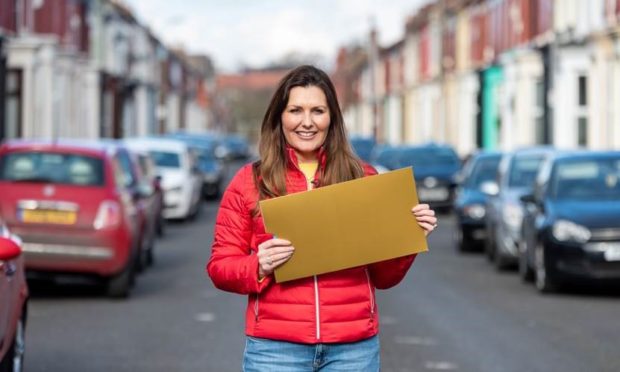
[[181, 179]]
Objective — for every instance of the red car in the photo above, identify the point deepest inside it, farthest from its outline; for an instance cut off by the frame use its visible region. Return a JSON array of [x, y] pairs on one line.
[[13, 302], [72, 204]]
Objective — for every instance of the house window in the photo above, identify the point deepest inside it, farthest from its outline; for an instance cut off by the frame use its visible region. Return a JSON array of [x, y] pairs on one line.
[[582, 110]]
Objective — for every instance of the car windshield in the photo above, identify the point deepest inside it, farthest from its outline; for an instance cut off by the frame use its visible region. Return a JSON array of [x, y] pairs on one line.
[[429, 157], [484, 170], [587, 179], [166, 159], [523, 171], [52, 167]]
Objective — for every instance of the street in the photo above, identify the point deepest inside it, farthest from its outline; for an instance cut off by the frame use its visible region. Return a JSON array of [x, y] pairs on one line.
[[452, 312]]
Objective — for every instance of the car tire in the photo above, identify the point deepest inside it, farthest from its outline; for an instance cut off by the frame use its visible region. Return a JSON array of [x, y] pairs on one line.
[[545, 280], [526, 273], [461, 242], [119, 286], [14, 358], [489, 245], [161, 226]]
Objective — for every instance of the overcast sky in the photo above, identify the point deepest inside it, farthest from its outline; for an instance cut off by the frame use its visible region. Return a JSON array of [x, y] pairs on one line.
[[256, 32]]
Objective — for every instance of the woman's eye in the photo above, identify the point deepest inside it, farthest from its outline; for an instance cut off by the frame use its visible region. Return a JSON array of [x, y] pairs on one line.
[[319, 111]]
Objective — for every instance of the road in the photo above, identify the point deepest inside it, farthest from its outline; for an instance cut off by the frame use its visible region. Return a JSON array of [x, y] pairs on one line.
[[452, 312]]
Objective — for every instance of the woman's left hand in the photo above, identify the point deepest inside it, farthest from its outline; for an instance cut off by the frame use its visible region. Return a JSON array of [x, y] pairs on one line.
[[426, 218]]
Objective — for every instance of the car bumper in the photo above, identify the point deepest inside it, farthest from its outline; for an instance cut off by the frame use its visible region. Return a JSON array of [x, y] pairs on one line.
[[176, 205], [103, 253], [594, 260]]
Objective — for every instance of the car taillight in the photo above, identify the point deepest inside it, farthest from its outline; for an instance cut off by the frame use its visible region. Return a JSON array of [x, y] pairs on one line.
[[108, 215]]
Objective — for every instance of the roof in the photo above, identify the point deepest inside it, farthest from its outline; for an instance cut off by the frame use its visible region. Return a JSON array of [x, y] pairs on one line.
[[251, 80], [152, 143]]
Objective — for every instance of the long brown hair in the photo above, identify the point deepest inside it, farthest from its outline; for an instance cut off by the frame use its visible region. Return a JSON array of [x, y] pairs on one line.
[[341, 163]]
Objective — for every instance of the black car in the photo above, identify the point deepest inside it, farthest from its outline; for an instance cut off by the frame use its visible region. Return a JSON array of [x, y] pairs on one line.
[[434, 169], [572, 224], [504, 212], [475, 182]]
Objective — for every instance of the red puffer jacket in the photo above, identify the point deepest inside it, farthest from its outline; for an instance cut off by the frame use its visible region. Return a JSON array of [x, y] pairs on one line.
[[328, 308]]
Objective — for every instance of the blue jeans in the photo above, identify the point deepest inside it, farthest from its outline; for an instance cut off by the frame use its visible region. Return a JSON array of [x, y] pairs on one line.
[[263, 355]]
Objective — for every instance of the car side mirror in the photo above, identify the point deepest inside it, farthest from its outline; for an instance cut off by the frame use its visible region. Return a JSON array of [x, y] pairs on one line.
[[489, 188], [157, 182], [9, 249]]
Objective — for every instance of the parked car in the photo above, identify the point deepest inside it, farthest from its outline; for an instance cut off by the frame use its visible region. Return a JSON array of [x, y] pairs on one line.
[[475, 182], [434, 169], [150, 204], [504, 210], [13, 302], [385, 157], [72, 205], [181, 178], [237, 146], [363, 146], [204, 148], [572, 224], [149, 174]]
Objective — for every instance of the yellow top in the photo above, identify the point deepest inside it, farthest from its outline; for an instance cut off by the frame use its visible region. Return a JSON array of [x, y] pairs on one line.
[[309, 170]]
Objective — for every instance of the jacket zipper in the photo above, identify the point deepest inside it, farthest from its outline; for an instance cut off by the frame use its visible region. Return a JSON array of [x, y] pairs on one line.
[[316, 279], [372, 297]]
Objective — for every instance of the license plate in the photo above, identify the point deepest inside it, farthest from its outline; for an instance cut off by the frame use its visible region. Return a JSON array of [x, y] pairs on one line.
[[47, 216], [612, 253], [438, 194]]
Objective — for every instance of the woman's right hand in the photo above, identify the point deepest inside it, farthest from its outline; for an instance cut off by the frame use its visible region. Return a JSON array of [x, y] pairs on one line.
[[271, 254]]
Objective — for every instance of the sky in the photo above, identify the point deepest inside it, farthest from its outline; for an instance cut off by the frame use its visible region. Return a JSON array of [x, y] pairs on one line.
[[253, 33]]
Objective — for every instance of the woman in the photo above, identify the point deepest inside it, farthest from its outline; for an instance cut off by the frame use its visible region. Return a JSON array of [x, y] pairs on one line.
[[326, 322]]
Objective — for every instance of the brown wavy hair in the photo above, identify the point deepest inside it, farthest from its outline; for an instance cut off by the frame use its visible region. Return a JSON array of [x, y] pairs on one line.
[[341, 163]]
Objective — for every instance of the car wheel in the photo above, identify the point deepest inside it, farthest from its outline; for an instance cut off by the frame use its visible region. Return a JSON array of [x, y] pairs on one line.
[[460, 240], [14, 358], [489, 245], [500, 261], [525, 270], [120, 285], [545, 282], [161, 226]]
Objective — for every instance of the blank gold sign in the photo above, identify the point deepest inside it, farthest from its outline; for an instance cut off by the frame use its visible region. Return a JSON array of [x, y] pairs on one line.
[[345, 225]]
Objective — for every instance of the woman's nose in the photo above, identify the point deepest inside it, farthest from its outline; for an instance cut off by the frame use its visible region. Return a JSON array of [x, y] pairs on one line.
[[307, 120]]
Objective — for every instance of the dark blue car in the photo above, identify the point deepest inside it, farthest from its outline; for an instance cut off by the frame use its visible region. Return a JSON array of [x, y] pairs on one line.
[[476, 181], [434, 168], [572, 220]]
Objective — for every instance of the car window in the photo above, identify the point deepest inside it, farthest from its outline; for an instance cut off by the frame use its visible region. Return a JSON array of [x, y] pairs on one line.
[[484, 170], [523, 170], [61, 168], [166, 159], [127, 168], [595, 179]]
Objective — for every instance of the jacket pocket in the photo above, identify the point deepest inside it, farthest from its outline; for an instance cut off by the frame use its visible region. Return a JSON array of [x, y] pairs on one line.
[[256, 308]]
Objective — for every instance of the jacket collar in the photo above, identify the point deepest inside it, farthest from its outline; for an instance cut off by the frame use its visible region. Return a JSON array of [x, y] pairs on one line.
[[293, 161]]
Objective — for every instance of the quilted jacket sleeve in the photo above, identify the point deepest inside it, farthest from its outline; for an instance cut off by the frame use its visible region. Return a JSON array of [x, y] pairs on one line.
[[387, 274], [232, 266]]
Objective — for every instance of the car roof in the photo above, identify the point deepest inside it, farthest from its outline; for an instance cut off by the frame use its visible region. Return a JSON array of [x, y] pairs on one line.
[[586, 154], [82, 146], [159, 143]]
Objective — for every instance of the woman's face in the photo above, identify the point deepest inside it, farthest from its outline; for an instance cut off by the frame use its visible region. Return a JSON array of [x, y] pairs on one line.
[[305, 121]]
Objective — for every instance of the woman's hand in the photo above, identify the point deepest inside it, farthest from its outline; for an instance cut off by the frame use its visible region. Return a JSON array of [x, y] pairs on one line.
[[271, 254], [426, 218]]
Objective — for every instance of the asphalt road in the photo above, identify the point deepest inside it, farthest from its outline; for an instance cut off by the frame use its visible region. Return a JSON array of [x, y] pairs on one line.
[[452, 312]]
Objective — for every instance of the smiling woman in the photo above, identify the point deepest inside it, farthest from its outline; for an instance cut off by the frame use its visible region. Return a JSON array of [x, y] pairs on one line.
[[324, 322]]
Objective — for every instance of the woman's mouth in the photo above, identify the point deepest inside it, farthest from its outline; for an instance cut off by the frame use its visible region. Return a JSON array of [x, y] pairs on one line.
[[306, 134]]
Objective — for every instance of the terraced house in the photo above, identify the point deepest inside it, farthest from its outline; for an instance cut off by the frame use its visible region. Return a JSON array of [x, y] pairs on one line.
[[493, 74], [90, 69]]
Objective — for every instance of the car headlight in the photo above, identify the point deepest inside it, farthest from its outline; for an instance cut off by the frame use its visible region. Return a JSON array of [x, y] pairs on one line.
[[513, 216], [564, 230], [475, 211]]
